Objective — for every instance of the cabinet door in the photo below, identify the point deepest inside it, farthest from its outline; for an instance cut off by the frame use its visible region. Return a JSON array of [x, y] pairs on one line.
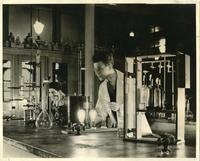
[[6, 80]]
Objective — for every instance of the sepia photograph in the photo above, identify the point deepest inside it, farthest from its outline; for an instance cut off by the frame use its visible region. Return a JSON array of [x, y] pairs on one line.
[[100, 80]]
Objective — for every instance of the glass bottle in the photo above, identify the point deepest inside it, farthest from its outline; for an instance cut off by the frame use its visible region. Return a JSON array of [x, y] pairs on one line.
[[188, 115], [144, 92]]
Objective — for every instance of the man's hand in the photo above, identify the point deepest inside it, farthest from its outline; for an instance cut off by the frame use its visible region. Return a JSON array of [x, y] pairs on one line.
[[114, 106]]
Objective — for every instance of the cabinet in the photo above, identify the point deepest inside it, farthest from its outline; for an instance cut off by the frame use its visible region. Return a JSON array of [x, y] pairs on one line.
[[20, 75], [155, 90]]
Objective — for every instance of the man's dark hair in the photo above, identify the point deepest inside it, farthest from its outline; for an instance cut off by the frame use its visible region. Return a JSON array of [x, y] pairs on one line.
[[103, 56]]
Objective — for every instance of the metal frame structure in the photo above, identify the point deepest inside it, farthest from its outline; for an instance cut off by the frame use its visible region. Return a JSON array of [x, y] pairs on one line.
[[134, 118]]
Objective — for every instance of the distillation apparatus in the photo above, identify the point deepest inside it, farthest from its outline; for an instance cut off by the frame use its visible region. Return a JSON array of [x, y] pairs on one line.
[[155, 89]]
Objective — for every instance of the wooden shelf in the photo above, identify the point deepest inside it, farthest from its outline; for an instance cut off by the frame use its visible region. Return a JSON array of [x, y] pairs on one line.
[[160, 111], [18, 87], [30, 83], [33, 86], [16, 99], [7, 81]]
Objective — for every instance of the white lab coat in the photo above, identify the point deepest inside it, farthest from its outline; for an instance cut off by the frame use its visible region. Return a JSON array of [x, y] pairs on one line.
[[102, 106]]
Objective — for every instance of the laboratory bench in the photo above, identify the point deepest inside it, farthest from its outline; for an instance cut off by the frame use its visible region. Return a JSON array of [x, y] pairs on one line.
[[53, 143]]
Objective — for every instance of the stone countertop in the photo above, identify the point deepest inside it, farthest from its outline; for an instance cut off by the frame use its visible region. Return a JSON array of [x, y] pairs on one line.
[[52, 143]]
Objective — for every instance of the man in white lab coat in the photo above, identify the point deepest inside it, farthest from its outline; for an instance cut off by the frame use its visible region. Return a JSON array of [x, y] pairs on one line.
[[110, 96]]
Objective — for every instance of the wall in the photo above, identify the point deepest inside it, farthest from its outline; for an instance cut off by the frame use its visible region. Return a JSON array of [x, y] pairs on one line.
[[19, 21], [72, 76], [69, 28]]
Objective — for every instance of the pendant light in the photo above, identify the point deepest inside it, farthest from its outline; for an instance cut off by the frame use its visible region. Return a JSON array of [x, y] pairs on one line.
[[131, 34], [38, 26]]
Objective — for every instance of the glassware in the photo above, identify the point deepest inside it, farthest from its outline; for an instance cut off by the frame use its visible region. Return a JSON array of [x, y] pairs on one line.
[[157, 94], [86, 106], [188, 115], [93, 115], [144, 95], [81, 116], [43, 120]]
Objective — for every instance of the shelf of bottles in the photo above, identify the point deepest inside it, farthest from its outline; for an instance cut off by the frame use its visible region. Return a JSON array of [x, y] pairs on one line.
[[155, 91]]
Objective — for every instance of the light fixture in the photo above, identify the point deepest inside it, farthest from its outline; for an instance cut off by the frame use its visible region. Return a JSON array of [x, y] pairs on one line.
[[38, 26], [154, 29], [157, 28], [131, 34], [162, 41], [162, 45], [57, 66], [83, 68], [81, 116], [93, 115]]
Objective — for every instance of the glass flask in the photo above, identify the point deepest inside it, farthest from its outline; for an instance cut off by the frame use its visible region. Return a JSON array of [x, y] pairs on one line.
[[43, 120]]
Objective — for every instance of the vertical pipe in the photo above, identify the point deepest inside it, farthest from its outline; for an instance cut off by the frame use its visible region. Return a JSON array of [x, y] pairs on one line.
[[138, 95], [37, 80], [79, 73], [31, 19], [125, 102], [89, 49], [180, 129], [164, 83], [172, 85]]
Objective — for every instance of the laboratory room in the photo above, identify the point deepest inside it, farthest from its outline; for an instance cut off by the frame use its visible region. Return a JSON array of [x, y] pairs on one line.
[[99, 81]]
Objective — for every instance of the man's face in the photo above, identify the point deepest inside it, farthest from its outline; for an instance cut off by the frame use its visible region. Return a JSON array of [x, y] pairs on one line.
[[101, 70], [53, 94]]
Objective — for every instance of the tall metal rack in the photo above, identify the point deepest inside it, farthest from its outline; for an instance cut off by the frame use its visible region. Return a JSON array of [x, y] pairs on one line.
[[164, 76]]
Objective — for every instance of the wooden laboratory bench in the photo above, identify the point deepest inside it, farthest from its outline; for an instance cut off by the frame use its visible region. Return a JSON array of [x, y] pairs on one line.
[[53, 143]]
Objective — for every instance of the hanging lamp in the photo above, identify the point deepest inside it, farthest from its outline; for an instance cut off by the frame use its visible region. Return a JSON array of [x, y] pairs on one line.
[[38, 26]]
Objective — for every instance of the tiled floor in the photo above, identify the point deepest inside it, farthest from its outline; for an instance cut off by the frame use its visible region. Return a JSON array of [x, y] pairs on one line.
[[106, 144]]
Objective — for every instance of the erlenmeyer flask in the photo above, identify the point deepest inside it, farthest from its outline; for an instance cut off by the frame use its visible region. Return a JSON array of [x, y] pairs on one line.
[[43, 120]]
